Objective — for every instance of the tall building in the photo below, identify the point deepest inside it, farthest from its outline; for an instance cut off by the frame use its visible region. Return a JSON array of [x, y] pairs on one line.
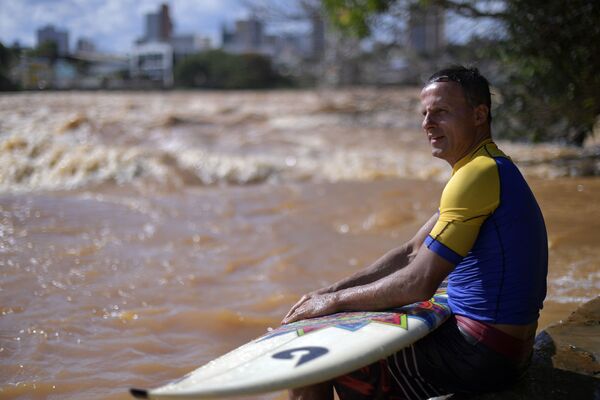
[[288, 52], [249, 33], [85, 45], [154, 55], [247, 37], [159, 26], [317, 36], [51, 34], [426, 30]]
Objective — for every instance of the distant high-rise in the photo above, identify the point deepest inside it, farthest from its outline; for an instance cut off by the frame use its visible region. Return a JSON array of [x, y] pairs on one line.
[[154, 55], [317, 36], [247, 37], [286, 51], [227, 36], [51, 34], [85, 45], [426, 30], [159, 26], [249, 34]]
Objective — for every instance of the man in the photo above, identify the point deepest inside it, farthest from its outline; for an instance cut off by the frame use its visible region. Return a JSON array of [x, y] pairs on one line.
[[488, 238]]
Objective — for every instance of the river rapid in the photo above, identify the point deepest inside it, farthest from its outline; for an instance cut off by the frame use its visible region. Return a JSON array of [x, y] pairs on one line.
[[144, 234]]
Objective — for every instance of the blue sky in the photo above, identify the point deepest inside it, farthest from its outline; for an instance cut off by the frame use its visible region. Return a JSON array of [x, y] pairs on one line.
[[112, 25]]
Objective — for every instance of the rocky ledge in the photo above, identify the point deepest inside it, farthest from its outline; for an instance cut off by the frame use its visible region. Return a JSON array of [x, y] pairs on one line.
[[566, 362]]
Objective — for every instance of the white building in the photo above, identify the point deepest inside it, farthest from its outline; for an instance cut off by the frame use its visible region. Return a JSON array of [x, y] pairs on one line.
[[154, 55], [154, 61]]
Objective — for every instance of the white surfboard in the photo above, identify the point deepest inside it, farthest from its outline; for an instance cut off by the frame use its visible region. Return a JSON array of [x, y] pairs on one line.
[[308, 352]]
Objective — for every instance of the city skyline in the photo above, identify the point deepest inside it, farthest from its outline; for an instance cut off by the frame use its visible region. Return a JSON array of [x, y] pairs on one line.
[[112, 25]]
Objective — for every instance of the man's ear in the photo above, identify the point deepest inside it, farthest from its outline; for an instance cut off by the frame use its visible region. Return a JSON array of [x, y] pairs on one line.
[[481, 114]]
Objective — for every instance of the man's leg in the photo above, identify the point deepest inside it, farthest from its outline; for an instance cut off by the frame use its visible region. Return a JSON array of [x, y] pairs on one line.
[[320, 391]]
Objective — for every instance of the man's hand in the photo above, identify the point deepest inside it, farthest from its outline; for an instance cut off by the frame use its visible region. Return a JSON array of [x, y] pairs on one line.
[[316, 305], [305, 298]]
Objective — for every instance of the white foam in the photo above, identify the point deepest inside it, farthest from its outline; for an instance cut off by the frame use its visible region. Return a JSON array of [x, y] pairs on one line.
[[73, 140]]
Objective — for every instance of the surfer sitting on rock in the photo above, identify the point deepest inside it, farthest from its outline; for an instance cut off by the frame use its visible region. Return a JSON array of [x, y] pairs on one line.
[[488, 239]]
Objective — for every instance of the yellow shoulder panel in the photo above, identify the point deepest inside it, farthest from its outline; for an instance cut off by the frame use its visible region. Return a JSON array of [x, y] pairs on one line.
[[471, 195]]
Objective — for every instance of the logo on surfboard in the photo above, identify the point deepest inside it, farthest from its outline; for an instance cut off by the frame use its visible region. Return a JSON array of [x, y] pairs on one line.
[[307, 354]]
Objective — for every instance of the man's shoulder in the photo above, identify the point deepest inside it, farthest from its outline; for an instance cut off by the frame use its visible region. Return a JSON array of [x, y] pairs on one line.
[[480, 170], [476, 186], [483, 160], [479, 164]]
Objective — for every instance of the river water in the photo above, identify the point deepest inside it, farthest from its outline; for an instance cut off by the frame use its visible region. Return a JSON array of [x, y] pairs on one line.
[[143, 234]]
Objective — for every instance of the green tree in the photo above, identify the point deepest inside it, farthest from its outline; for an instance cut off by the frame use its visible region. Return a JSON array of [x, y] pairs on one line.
[[48, 49], [549, 56], [551, 60], [216, 69], [7, 60]]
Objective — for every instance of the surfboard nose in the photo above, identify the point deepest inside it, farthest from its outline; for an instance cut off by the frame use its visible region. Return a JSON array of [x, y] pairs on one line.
[[139, 393]]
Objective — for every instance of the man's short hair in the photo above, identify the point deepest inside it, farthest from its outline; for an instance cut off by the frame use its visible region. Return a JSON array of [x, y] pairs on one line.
[[475, 87]]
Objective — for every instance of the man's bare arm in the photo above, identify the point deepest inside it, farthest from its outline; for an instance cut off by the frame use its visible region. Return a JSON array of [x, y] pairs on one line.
[[392, 261], [416, 282]]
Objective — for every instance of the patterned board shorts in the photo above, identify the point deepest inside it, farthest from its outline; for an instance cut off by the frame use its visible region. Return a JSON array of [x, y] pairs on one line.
[[446, 361]]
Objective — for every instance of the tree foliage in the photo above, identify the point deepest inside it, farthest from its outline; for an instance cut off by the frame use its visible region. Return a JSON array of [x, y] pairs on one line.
[[354, 15], [7, 59], [549, 58], [216, 69], [47, 49]]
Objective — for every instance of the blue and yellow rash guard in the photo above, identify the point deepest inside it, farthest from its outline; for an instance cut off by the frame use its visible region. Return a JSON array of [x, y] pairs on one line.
[[491, 227]]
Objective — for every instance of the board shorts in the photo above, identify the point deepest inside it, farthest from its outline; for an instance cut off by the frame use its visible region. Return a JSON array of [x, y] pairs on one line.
[[451, 359]]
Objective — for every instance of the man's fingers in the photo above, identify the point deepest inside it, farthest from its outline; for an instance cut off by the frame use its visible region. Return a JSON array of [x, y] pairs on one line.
[[295, 306], [291, 318], [296, 316], [300, 302]]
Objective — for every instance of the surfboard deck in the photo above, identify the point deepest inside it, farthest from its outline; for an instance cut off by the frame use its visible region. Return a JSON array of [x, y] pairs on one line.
[[307, 352]]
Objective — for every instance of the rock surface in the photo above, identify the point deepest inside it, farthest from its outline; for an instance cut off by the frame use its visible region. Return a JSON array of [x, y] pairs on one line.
[[565, 364]]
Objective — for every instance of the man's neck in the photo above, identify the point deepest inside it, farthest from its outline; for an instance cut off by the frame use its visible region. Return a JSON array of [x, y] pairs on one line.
[[480, 138]]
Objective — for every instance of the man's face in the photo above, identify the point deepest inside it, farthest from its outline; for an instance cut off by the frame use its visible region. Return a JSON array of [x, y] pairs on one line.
[[448, 121]]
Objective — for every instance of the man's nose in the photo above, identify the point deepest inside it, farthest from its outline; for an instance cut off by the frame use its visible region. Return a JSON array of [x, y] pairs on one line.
[[427, 122]]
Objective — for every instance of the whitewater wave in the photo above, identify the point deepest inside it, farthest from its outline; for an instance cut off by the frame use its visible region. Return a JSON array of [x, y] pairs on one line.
[[76, 140]]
